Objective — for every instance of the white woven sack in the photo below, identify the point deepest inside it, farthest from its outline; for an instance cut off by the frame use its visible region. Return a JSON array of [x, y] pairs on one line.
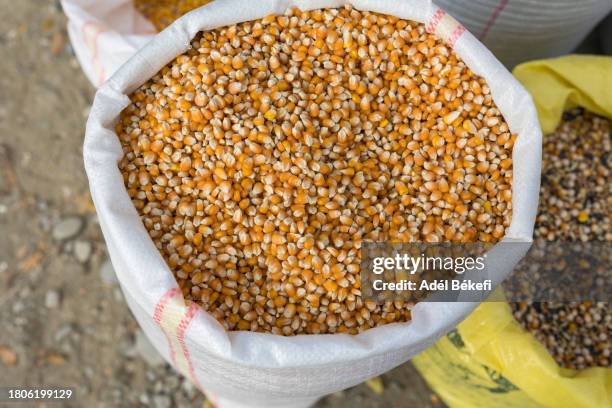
[[522, 30], [105, 34], [240, 369]]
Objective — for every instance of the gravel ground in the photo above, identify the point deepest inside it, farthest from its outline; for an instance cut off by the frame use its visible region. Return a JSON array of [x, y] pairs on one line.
[[64, 321]]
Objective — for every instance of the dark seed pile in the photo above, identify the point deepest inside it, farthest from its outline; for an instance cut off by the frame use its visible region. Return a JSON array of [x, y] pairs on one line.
[[575, 202], [576, 192]]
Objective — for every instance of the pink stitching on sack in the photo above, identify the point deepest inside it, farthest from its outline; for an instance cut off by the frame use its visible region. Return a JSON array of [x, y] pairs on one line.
[[159, 309], [93, 48], [500, 7], [455, 35], [435, 19], [182, 328]]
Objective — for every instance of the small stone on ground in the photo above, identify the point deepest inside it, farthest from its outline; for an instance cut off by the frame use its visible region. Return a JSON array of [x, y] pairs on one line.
[[67, 228], [52, 299], [82, 251]]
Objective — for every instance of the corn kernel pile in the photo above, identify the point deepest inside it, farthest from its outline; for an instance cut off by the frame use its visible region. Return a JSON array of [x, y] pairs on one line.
[[162, 13], [263, 157]]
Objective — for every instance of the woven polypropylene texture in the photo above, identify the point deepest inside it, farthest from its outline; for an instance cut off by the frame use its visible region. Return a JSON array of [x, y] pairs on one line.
[[522, 30], [257, 369]]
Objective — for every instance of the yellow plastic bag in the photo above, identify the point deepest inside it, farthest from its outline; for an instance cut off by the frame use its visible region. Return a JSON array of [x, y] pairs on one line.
[[559, 84], [490, 360]]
